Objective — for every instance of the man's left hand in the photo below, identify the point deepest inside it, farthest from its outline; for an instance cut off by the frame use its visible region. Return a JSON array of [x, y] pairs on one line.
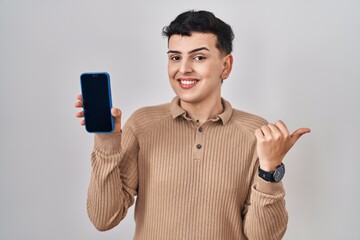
[[273, 142]]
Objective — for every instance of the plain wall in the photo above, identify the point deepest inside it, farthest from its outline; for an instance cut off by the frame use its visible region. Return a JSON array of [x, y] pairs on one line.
[[293, 60]]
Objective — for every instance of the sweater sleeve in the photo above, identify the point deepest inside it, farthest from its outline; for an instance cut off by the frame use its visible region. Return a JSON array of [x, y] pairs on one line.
[[114, 178], [265, 216]]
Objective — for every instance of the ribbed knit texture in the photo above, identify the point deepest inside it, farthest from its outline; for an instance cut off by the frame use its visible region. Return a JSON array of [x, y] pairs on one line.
[[193, 181]]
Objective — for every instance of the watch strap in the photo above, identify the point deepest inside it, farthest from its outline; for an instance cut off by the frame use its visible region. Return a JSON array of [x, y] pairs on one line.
[[274, 176]]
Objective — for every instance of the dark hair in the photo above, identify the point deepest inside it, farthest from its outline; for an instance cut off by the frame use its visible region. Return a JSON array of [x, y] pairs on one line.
[[204, 22]]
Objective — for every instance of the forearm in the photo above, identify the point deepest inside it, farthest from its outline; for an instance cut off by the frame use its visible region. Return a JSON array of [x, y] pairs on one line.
[[108, 200], [266, 216]]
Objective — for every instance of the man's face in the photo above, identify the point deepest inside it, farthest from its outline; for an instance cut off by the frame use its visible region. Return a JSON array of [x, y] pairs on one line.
[[196, 67]]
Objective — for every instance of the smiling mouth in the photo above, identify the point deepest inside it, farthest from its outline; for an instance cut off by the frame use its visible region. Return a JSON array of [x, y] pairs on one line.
[[186, 84]]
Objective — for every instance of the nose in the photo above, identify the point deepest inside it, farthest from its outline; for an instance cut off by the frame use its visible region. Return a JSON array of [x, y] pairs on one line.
[[185, 66]]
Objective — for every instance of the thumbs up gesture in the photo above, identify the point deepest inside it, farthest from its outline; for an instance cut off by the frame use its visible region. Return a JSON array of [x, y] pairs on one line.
[[273, 142]]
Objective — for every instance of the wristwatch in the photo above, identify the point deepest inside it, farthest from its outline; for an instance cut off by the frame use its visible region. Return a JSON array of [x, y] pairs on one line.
[[274, 176]]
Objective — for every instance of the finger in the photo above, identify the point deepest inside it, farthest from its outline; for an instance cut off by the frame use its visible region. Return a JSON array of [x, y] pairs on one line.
[[282, 127], [258, 134], [82, 123], [266, 131], [78, 104], [275, 131], [116, 113], [301, 131], [80, 114], [79, 97], [298, 133]]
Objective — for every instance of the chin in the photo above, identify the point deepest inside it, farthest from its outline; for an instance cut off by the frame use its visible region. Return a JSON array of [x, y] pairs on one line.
[[189, 98]]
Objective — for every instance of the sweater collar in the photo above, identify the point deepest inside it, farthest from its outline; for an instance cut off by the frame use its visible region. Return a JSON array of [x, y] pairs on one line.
[[177, 111]]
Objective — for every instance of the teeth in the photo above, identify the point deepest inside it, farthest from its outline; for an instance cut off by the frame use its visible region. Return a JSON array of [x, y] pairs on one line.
[[188, 82]]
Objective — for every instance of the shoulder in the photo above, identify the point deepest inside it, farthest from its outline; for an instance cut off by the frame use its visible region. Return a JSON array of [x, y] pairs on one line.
[[152, 112], [247, 120], [145, 117]]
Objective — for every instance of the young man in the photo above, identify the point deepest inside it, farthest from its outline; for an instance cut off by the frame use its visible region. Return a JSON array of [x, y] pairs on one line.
[[199, 168]]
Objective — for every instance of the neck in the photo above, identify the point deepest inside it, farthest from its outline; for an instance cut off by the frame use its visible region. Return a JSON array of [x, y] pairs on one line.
[[203, 111]]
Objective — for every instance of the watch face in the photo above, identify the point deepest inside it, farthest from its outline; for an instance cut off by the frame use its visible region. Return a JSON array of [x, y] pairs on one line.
[[279, 173]]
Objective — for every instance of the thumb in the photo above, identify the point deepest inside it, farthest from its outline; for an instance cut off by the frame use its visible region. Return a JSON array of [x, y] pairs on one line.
[[115, 112], [298, 133]]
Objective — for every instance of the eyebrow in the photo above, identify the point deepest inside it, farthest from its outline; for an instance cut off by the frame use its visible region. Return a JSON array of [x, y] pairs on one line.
[[192, 51]]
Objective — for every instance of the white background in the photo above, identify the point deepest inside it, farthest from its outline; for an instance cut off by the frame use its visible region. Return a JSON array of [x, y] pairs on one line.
[[294, 60]]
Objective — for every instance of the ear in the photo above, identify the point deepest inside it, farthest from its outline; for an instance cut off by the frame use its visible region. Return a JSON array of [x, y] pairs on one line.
[[228, 62]]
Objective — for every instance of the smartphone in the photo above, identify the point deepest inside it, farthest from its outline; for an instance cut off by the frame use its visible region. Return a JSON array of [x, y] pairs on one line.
[[97, 104]]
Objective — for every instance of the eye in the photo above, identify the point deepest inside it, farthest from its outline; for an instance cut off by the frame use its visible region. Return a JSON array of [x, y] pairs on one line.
[[174, 57], [199, 58]]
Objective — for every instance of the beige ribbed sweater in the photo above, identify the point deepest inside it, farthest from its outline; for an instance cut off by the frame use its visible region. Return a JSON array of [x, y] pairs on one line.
[[192, 181]]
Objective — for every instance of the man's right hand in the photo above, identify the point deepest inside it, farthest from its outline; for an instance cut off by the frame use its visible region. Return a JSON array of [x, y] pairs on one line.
[[115, 112]]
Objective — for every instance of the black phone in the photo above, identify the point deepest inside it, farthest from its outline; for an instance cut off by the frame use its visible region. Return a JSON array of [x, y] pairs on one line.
[[97, 104]]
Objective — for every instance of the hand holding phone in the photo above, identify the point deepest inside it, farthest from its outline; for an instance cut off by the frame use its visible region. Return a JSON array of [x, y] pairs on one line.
[[115, 112], [95, 100]]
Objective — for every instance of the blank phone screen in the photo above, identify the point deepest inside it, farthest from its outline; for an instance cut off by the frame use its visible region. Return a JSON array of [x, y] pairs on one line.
[[97, 102]]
